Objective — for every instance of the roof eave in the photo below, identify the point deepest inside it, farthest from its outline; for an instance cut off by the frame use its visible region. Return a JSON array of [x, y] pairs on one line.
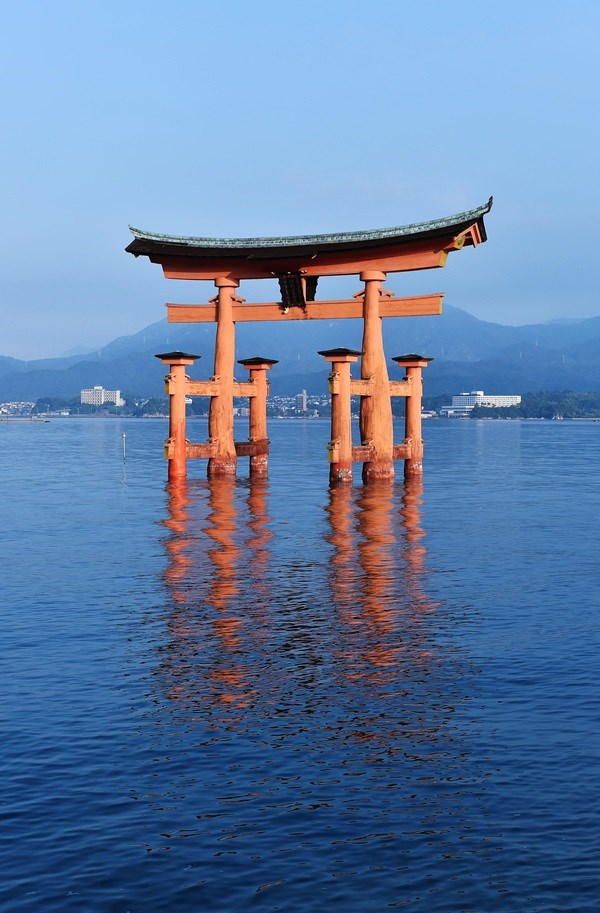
[[146, 243]]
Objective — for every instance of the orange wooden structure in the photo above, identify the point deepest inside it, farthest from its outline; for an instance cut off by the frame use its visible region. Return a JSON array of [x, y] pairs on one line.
[[221, 451], [341, 386], [297, 263]]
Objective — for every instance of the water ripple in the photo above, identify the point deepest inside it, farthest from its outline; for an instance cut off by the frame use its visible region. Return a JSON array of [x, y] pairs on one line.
[[260, 694]]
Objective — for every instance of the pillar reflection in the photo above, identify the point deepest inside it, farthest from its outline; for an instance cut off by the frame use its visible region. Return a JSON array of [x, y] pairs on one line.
[[178, 545], [217, 564], [342, 537], [250, 634], [414, 552], [228, 675], [224, 552], [377, 559], [257, 553], [378, 577]]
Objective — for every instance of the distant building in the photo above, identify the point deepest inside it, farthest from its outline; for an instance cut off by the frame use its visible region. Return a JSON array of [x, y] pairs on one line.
[[464, 403], [302, 401], [97, 396]]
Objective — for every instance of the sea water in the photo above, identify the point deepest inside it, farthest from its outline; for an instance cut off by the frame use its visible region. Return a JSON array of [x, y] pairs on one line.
[[266, 695]]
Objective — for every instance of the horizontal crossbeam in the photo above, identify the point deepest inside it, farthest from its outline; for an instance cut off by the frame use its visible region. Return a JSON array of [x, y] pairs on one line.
[[209, 449], [361, 387], [213, 387], [200, 451], [403, 451], [252, 448], [202, 388], [363, 453], [244, 388], [395, 258], [415, 306], [400, 387]]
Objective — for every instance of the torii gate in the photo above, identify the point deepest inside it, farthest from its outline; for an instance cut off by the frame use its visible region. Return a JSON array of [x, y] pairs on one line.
[[298, 262]]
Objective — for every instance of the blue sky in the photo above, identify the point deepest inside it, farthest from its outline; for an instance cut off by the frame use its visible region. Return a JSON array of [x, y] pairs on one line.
[[266, 118]]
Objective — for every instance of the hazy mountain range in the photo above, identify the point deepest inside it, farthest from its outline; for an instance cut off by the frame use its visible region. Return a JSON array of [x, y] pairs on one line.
[[469, 354]]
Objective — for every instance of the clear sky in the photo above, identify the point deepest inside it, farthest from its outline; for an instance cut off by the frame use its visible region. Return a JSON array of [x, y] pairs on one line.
[[266, 118]]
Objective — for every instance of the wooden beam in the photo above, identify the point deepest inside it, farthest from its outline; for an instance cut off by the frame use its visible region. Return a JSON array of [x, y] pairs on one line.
[[202, 388], [400, 387], [252, 448], [413, 306], [200, 451], [361, 387], [403, 451], [362, 453], [244, 388], [394, 258]]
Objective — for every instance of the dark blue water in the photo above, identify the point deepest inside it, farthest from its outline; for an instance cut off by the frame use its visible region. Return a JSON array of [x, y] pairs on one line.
[[266, 696]]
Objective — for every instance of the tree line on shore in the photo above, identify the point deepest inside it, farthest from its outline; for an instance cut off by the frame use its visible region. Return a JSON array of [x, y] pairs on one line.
[[544, 404]]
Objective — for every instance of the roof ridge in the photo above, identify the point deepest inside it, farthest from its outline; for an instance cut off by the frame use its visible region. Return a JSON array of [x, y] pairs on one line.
[[335, 237]]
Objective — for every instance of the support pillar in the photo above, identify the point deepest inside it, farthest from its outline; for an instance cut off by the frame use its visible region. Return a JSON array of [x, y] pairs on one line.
[[376, 424], [413, 365], [220, 416], [175, 381], [340, 447], [258, 367]]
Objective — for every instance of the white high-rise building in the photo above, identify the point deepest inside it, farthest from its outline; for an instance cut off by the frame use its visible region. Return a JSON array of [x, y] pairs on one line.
[[97, 396], [463, 403], [302, 401]]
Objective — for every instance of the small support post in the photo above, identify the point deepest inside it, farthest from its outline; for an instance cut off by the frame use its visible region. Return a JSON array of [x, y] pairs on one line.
[[376, 423], [220, 416], [413, 365], [175, 445], [340, 447], [258, 367]]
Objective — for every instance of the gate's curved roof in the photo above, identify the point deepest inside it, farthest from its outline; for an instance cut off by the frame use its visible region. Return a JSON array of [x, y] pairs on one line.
[[149, 243]]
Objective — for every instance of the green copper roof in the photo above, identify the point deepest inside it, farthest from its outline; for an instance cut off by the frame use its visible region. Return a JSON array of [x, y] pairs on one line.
[[376, 234]]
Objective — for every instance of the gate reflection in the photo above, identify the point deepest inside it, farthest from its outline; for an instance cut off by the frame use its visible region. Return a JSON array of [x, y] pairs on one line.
[[205, 659], [378, 579], [229, 649]]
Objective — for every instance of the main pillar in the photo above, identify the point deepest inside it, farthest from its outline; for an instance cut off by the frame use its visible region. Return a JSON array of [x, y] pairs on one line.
[[340, 447], [176, 445], [413, 365], [376, 424], [258, 367], [220, 416]]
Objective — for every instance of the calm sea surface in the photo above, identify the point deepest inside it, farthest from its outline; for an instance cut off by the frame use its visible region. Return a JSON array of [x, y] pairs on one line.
[[269, 696]]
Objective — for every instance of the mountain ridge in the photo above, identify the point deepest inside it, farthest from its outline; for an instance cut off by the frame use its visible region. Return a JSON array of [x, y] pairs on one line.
[[467, 352]]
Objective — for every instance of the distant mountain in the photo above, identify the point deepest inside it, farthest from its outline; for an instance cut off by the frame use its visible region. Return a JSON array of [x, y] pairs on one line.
[[564, 321], [469, 354], [79, 350]]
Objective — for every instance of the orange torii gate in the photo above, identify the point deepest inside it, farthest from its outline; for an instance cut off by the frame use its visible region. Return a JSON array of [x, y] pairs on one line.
[[298, 262]]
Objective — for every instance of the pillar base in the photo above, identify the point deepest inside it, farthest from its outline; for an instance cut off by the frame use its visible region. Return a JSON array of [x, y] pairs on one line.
[[339, 476], [413, 469], [221, 466], [382, 469], [259, 465], [176, 474]]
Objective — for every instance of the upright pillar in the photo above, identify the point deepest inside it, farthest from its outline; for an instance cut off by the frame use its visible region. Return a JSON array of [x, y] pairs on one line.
[[340, 447], [376, 424], [413, 365], [176, 444], [220, 416], [258, 367]]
